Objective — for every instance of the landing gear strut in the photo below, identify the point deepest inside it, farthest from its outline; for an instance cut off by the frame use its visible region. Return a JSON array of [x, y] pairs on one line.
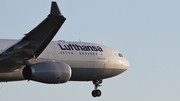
[[96, 92]]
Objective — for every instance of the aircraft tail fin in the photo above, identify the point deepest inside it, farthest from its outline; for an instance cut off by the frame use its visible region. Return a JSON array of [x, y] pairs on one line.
[[55, 9]]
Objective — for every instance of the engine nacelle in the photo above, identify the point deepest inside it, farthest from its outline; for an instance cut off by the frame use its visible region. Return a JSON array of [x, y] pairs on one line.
[[48, 72]]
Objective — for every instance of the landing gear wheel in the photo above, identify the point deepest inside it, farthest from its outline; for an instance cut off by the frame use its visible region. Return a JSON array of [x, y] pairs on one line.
[[96, 93]]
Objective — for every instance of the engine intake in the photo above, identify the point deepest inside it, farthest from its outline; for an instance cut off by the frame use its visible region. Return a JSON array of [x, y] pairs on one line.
[[48, 72]]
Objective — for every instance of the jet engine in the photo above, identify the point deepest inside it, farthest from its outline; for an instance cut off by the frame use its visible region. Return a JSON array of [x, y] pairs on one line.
[[48, 72]]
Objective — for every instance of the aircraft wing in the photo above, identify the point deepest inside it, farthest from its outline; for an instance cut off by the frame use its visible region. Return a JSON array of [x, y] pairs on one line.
[[33, 43]]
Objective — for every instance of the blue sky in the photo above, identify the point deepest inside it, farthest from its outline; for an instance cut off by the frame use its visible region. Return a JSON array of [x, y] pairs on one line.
[[147, 33]]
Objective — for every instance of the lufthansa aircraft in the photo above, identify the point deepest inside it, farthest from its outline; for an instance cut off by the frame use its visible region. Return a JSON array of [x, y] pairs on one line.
[[35, 57]]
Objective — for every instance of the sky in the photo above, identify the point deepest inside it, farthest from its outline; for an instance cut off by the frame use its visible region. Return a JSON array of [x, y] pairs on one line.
[[146, 32]]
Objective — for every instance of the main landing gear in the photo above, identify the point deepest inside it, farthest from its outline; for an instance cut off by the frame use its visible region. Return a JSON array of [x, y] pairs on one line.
[[96, 92]]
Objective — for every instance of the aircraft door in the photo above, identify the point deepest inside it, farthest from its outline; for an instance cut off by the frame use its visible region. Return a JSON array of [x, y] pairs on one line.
[[50, 52], [109, 58]]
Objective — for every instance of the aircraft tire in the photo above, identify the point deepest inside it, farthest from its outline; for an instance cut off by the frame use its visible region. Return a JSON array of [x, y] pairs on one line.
[[96, 93]]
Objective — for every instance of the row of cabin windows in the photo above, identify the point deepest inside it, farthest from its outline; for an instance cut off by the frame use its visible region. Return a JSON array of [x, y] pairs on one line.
[[81, 53], [87, 53], [66, 52]]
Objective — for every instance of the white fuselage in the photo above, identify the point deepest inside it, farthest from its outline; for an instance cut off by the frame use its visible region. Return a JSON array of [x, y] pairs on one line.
[[88, 61]]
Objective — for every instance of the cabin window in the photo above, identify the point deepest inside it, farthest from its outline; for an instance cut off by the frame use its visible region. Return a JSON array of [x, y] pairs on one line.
[[120, 55]]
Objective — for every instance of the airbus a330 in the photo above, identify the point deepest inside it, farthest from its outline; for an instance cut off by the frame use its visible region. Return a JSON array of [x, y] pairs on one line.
[[35, 57]]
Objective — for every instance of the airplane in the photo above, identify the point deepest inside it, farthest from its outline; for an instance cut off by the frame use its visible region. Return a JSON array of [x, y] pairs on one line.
[[36, 57]]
